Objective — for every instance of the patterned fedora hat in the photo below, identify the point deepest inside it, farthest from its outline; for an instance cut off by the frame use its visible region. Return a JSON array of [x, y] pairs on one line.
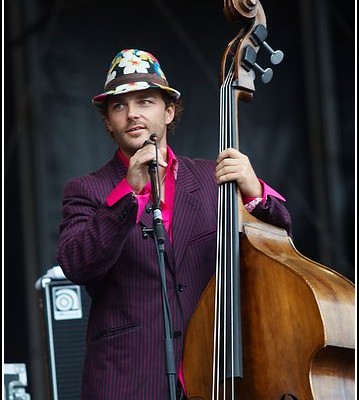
[[133, 70]]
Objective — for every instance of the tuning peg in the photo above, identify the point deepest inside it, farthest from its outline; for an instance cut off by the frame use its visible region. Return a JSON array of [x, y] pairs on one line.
[[249, 62], [258, 37], [267, 74]]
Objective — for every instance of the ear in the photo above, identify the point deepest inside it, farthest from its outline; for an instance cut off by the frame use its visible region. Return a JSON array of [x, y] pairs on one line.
[[108, 125], [170, 113]]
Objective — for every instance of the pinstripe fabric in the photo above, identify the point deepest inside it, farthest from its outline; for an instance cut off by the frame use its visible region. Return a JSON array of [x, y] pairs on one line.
[[103, 248]]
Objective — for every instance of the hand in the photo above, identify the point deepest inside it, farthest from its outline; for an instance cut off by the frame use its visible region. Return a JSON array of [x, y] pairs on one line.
[[233, 165], [137, 174]]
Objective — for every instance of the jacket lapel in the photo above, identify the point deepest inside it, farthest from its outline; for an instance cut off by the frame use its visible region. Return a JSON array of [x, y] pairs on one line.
[[185, 208], [119, 171]]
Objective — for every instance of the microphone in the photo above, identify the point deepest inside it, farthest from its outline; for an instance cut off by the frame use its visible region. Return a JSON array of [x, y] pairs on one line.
[[152, 140], [154, 137]]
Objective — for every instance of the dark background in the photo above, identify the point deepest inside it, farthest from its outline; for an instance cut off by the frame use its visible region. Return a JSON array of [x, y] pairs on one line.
[[299, 130]]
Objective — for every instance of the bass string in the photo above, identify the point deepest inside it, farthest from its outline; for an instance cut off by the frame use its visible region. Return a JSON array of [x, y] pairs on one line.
[[224, 256]]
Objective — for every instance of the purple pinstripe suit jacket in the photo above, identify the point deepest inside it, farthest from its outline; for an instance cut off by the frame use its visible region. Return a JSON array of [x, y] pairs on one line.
[[103, 248]]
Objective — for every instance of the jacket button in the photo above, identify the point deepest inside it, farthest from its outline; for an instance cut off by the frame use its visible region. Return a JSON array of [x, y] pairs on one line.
[[177, 334], [180, 287]]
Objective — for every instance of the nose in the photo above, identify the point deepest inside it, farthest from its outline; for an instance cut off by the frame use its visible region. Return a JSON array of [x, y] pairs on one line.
[[133, 111]]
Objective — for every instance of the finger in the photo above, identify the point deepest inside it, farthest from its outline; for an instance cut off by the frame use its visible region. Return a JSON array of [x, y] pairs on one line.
[[228, 164], [229, 177], [228, 153]]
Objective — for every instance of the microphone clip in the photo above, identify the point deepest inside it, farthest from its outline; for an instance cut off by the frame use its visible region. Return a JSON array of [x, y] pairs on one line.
[[146, 232]]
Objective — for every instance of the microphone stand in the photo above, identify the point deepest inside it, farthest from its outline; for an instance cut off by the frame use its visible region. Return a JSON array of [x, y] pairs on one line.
[[159, 237]]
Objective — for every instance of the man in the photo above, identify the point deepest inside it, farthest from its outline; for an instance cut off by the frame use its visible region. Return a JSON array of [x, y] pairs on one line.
[[105, 243]]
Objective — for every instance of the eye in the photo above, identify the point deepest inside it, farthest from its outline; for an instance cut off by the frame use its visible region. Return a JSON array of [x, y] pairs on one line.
[[146, 101], [118, 106]]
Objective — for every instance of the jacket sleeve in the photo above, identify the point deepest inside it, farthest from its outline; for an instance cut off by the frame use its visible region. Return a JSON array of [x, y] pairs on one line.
[[274, 212], [92, 234]]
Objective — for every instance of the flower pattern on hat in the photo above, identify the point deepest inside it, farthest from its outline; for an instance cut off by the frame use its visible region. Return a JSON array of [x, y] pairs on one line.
[[131, 63], [110, 77], [134, 61], [131, 87]]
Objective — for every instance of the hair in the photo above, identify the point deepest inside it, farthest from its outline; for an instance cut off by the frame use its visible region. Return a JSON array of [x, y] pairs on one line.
[[178, 110], [167, 98]]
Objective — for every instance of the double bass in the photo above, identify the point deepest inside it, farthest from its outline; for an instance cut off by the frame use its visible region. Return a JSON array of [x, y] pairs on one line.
[[271, 324]]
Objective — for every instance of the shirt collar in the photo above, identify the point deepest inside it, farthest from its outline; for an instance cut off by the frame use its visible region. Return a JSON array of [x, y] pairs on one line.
[[172, 162]]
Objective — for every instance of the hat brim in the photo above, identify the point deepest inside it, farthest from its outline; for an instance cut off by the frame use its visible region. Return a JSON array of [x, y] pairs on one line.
[[98, 100]]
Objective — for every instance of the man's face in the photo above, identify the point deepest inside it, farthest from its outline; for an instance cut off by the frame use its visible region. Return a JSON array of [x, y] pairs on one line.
[[132, 117]]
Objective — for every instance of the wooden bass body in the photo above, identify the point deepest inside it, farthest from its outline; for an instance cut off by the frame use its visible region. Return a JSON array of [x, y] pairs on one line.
[[298, 325]]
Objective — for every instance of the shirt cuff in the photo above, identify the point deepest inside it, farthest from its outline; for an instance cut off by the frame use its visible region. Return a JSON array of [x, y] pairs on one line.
[[251, 202], [123, 188], [250, 206]]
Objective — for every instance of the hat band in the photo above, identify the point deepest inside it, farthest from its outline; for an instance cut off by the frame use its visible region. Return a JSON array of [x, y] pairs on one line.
[[135, 78]]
